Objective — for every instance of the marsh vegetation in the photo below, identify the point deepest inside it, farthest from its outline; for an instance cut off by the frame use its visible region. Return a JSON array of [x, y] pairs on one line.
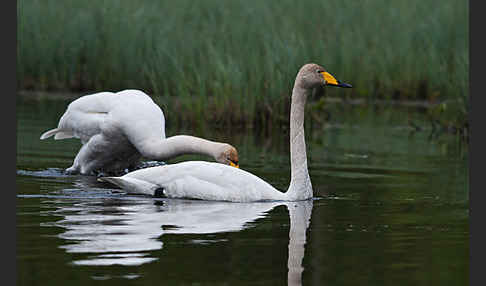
[[235, 63]]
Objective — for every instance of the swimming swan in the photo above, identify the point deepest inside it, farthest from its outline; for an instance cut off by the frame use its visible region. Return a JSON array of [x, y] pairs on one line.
[[117, 129], [211, 181]]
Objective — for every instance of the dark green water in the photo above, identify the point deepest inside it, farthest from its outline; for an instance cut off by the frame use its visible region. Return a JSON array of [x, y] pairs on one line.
[[391, 207]]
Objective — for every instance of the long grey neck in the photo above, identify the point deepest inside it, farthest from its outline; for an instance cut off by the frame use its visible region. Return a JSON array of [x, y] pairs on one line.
[[183, 144], [300, 185]]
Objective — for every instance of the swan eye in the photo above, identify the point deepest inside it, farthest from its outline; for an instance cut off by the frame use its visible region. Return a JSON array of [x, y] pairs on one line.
[[319, 71]]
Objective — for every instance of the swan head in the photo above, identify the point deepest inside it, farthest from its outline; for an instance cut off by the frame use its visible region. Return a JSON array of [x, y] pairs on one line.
[[228, 155], [313, 75]]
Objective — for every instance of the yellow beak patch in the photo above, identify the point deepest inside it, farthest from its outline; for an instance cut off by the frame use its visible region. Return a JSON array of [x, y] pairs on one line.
[[329, 78], [234, 165]]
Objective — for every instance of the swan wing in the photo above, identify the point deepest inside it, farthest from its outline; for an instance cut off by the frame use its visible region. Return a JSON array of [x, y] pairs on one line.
[[128, 113], [139, 119], [83, 117]]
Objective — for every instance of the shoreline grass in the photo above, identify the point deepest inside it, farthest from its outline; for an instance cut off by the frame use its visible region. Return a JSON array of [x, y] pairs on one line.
[[237, 60]]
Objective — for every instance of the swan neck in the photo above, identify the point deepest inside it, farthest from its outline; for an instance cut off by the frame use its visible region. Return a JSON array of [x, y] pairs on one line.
[[300, 185], [184, 144]]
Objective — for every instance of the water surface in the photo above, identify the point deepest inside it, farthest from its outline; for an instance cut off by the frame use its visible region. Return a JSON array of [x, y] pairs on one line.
[[390, 208]]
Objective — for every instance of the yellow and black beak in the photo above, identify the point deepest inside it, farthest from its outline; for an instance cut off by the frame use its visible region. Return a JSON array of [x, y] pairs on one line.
[[330, 80], [234, 164]]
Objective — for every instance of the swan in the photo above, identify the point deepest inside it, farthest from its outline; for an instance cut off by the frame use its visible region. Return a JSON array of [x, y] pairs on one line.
[[211, 181], [117, 129]]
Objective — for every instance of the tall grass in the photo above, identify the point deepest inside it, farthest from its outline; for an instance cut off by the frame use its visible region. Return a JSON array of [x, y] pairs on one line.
[[236, 60]]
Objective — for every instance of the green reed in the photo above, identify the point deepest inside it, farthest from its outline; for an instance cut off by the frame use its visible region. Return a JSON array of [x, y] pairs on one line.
[[235, 61]]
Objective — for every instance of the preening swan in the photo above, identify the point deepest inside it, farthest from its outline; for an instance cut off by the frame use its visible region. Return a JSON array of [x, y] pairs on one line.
[[117, 129], [211, 181]]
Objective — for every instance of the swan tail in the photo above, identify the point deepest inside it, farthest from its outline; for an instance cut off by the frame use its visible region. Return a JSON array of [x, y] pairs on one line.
[[63, 135], [58, 134], [49, 133], [131, 185], [113, 180]]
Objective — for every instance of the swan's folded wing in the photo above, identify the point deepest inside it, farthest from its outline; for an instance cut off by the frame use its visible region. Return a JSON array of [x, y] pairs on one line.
[[195, 188], [84, 117], [207, 181]]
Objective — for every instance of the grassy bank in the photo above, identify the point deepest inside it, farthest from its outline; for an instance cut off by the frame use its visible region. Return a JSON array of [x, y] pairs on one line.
[[235, 61]]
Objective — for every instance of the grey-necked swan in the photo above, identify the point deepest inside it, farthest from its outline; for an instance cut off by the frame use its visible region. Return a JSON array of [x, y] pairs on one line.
[[212, 181], [117, 129]]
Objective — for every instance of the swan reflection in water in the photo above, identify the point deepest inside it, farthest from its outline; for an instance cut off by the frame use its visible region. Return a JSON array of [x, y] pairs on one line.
[[123, 230]]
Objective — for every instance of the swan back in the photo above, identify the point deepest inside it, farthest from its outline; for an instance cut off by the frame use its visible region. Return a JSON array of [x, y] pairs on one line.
[[199, 180]]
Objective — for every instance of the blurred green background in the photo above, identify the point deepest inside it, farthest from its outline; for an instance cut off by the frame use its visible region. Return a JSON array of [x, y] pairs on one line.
[[235, 61]]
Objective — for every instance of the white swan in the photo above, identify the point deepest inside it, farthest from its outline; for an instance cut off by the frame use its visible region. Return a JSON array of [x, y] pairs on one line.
[[117, 129], [210, 181]]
